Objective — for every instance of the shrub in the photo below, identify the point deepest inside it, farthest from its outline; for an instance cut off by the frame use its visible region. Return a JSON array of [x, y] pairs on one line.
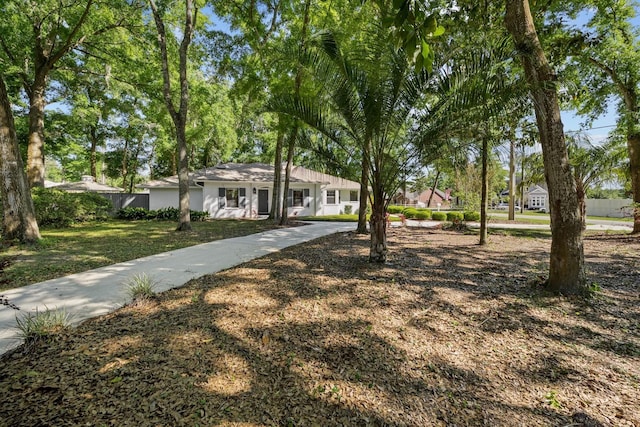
[[197, 216], [438, 216], [422, 215], [131, 214], [168, 214], [427, 211], [92, 206], [472, 216], [410, 212], [348, 209], [58, 208], [455, 216], [141, 287], [395, 209], [41, 325]]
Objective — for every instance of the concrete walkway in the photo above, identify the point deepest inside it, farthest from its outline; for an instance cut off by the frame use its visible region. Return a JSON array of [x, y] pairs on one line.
[[100, 291]]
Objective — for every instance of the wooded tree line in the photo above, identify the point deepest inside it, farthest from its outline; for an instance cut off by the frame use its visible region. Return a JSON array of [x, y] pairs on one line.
[[370, 90]]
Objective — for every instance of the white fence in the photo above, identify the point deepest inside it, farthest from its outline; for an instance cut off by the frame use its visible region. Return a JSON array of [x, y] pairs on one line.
[[614, 208]]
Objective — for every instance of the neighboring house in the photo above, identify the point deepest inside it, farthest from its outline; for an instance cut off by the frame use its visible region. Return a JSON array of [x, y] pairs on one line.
[[420, 200], [239, 190], [86, 184], [537, 198]]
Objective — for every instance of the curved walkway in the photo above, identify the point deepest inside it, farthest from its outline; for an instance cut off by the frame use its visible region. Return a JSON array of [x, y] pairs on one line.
[[100, 291]]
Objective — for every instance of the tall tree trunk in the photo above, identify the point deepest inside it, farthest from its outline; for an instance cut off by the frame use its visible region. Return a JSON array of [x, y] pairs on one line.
[[93, 157], [276, 197], [433, 189], [364, 189], [633, 147], [512, 179], [35, 149], [183, 180], [378, 248], [125, 162], [287, 176], [19, 219], [582, 205], [485, 190], [566, 267], [178, 115]]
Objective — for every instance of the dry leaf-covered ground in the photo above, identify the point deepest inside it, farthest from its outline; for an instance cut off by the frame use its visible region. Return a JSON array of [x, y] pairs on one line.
[[447, 334]]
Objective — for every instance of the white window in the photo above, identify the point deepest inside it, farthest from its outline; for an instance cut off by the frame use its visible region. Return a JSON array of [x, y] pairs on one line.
[[298, 198], [232, 198], [353, 195], [331, 197]]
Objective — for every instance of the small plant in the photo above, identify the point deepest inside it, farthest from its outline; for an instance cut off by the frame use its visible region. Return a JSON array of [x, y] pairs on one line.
[[410, 213], [552, 399], [141, 287], [41, 325], [472, 216], [422, 215], [455, 216], [348, 209], [395, 209], [439, 216]]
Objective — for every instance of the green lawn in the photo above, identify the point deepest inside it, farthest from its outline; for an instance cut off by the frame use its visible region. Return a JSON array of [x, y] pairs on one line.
[[87, 246]]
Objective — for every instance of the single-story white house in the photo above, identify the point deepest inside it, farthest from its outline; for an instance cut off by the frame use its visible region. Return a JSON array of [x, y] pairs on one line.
[[241, 190]]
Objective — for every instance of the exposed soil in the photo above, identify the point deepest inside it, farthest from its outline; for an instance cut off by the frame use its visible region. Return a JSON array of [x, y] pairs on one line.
[[447, 334]]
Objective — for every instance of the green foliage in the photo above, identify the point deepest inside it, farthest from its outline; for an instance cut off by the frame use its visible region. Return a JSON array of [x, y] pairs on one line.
[[41, 325], [410, 213], [58, 208], [395, 209], [455, 216], [426, 210], [141, 287], [163, 214], [439, 216], [132, 214], [348, 209], [422, 215], [472, 216]]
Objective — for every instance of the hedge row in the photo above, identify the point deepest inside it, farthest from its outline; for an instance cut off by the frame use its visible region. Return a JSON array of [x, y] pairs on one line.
[[424, 214], [163, 214], [57, 208]]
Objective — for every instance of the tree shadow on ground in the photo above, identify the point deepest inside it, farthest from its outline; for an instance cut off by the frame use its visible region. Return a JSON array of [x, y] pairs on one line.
[[443, 335]]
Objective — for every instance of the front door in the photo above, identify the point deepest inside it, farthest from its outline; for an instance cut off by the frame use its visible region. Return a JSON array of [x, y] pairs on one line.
[[263, 202]]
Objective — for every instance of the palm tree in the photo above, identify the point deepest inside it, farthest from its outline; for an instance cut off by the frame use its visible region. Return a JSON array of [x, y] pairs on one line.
[[367, 101]]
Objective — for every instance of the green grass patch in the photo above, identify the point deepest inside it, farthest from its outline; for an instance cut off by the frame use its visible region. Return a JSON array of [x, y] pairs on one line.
[[521, 232], [87, 246], [340, 218]]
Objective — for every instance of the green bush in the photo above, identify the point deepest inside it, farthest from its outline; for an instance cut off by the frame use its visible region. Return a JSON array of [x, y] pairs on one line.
[[348, 209], [197, 216], [395, 209], [455, 216], [472, 216], [92, 206], [438, 216], [57, 208], [427, 211], [423, 215], [163, 214], [410, 213], [131, 214]]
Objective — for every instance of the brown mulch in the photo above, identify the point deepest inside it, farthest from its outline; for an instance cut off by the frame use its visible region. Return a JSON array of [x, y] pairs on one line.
[[446, 334]]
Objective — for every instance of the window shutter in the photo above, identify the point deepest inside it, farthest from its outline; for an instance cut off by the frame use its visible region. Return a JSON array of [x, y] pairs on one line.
[[290, 198], [222, 197], [242, 195], [307, 202]]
